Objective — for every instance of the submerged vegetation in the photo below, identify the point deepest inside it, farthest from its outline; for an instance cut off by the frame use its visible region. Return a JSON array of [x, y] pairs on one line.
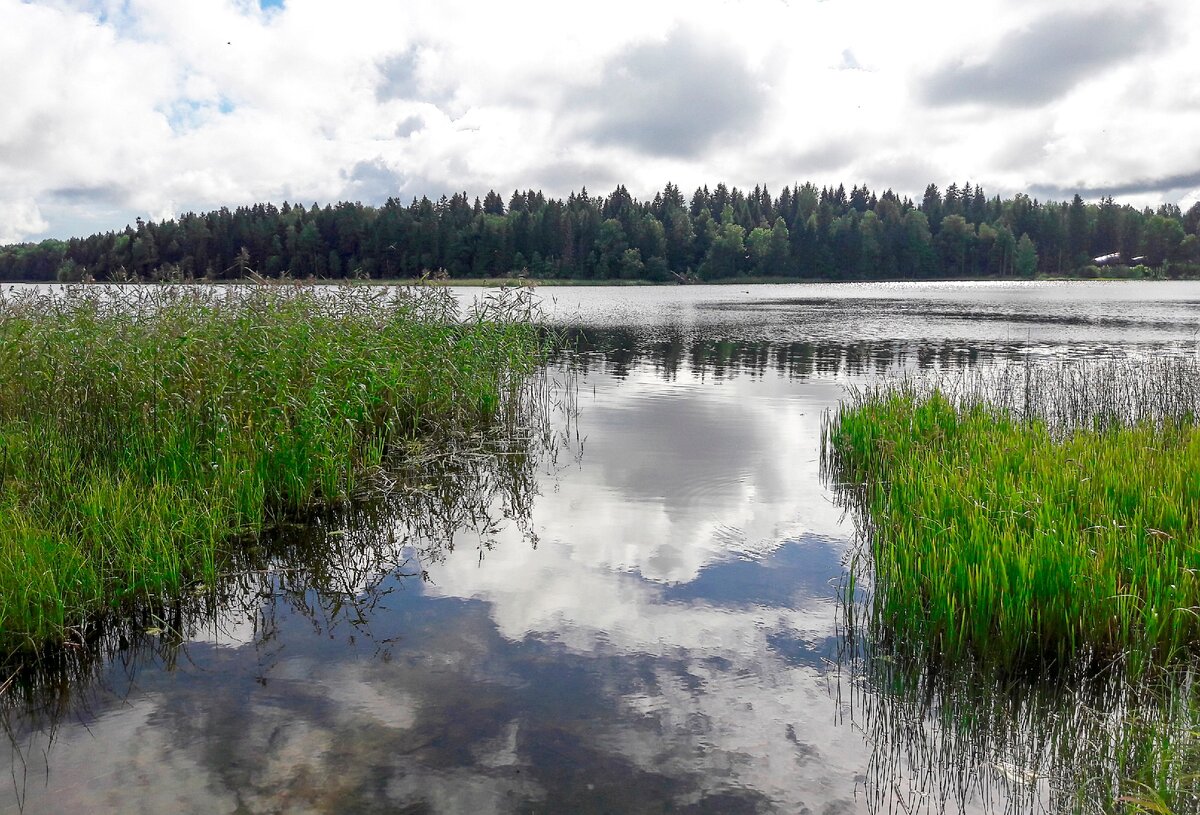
[[968, 740], [1044, 516], [144, 432]]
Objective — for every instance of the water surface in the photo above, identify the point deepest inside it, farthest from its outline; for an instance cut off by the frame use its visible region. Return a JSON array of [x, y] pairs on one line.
[[643, 617]]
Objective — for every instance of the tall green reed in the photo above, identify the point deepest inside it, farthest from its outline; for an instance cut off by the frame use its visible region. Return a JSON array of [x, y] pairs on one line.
[[1032, 578], [1036, 516], [333, 564], [144, 430]]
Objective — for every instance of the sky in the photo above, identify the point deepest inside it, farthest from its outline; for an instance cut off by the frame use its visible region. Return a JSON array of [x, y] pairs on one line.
[[118, 109]]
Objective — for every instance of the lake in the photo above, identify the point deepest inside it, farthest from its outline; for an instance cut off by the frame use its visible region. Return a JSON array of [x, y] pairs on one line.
[[641, 613]]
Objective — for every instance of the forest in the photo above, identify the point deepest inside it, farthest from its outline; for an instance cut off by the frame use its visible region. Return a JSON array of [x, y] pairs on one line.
[[803, 232]]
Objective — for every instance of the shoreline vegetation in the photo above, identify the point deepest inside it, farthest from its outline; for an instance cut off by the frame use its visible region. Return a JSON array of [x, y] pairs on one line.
[[146, 434], [512, 282], [1113, 275], [508, 282], [1032, 517], [803, 233], [1033, 530]]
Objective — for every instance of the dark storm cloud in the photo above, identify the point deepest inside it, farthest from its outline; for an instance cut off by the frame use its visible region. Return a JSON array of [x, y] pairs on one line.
[[672, 98], [374, 182], [1034, 65], [1163, 185]]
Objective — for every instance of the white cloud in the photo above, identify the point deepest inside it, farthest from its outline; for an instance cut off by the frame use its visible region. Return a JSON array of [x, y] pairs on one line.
[[19, 216], [146, 107]]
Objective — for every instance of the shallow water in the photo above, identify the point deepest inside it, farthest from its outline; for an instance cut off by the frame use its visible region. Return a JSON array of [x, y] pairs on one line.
[[654, 628]]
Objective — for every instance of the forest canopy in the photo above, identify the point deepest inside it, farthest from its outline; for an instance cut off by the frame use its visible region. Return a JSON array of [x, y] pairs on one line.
[[803, 232]]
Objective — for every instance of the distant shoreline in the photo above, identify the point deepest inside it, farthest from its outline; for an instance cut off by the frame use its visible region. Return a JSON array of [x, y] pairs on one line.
[[510, 282], [758, 281], [804, 233], [498, 282]]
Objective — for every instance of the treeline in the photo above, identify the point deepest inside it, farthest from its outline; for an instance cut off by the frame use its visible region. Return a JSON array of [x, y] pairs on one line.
[[804, 232]]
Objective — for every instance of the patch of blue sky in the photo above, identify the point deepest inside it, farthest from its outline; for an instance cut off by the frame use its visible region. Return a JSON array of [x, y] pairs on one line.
[[795, 575], [267, 5], [188, 114], [116, 15]]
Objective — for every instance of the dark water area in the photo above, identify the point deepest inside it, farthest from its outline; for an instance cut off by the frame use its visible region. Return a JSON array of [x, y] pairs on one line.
[[640, 613]]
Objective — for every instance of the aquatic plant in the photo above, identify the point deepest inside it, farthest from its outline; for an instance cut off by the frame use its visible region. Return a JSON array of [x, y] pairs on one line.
[[1034, 517], [145, 431], [1026, 606]]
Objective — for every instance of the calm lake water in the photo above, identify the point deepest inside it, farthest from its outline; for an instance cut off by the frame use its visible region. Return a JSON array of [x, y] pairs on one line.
[[642, 615]]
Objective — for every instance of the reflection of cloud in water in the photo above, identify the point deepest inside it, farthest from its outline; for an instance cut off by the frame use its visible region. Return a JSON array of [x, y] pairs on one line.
[[766, 729], [670, 470], [123, 762], [230, 630], [677, 476], [662, 645], [689, 454], [726, 710]]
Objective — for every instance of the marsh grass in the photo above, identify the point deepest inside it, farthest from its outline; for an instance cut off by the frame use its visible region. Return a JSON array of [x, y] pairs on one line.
[[333, 563], [1026, 604], [144, 432], [1032, 516]]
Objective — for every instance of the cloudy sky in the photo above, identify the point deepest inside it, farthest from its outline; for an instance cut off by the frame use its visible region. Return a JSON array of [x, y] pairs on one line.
[[111, 110]]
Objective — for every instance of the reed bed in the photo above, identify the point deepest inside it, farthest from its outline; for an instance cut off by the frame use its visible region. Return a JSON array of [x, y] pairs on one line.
[[1031, 516], [144, 431], [1066, 396]]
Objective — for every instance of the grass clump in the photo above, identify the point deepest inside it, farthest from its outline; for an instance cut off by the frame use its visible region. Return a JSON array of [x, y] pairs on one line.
[[1040, 517], [143, 431]]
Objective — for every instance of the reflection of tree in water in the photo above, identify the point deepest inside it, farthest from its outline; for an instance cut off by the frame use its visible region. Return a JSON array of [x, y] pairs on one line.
[[335, 567], [617, 351]]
